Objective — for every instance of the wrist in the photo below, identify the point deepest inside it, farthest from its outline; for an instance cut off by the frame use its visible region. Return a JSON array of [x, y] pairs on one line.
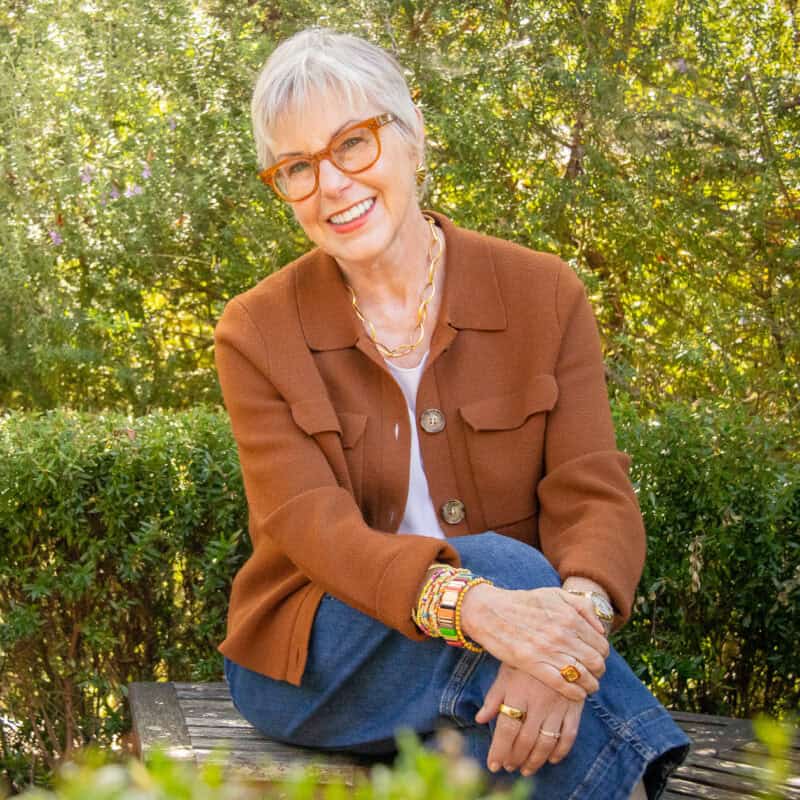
[[601, 603], [473, 609], [580, 584]]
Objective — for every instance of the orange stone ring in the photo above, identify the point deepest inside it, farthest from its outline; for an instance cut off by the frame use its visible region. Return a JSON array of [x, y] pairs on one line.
[[570, 673]]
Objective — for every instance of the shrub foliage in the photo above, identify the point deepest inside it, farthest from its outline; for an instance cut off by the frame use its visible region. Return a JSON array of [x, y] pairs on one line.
[[119, 541], [717, 617]]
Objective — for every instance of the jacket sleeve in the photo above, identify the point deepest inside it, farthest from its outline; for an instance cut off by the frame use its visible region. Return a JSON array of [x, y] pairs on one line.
[[589, 519], [295, 501]]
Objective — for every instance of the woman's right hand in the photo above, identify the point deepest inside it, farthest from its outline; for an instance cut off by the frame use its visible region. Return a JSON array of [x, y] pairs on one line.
[[538, 631]]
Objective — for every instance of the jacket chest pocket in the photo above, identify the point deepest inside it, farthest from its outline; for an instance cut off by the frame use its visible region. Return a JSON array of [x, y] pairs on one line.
[[505, 441], [353, 427], [318, 419]]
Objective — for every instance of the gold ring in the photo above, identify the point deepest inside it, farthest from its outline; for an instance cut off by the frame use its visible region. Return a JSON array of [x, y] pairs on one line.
[[570, 673], [552, 735], [515, 713]]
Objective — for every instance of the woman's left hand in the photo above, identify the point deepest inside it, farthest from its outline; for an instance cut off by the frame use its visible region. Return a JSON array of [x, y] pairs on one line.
[[523, 745]]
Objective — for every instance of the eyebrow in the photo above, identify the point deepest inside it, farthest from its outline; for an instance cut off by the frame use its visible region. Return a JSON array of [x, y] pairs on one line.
[[281, 156]]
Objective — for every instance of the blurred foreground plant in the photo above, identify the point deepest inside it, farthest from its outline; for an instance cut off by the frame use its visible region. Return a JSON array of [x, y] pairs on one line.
[[440, 773], [776, 736]]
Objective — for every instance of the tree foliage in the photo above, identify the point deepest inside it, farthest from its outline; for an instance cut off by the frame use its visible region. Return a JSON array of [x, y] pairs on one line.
[[652, 143]]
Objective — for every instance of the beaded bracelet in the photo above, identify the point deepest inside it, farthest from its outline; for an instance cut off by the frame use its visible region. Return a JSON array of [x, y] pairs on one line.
[[465, 642], [421, 614], [424, 615], [448, 615], [427, 609]]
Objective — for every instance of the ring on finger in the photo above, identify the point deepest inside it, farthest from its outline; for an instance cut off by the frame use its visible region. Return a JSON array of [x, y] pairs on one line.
[[515, 713], [551, 734], [570, 673]]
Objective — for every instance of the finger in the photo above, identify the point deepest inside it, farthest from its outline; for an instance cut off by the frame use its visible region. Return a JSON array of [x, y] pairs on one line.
[[569, 732], [525, 742], [568, 677], [505, 732], [545, 743], [585, 607], [594, 661], [591, 631], [569, 667], [591, 646], [549, 675], [491, 703]]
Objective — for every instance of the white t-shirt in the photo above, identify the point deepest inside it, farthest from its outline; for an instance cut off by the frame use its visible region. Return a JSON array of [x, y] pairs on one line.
[[420, 516]]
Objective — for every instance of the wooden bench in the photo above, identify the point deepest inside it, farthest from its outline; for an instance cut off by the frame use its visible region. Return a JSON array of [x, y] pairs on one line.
[[190, 720]]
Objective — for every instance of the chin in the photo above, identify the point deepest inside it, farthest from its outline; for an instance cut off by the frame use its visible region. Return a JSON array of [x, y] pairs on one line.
[[368, 246]]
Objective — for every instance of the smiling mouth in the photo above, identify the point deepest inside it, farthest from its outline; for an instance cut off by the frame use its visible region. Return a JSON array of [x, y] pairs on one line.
[[354, 212]]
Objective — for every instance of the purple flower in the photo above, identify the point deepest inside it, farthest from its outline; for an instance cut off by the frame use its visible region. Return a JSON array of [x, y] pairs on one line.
[[114, 193], [55, 237], [172, 124], [681, 65], [133, 190], [146, 172], [86, 174]]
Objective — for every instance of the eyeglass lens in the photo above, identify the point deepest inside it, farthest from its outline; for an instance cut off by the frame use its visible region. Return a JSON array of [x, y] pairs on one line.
[[352, 151]]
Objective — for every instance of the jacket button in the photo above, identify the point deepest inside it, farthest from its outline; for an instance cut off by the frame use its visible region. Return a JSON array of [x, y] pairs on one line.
[[453, 512], [432, 420]]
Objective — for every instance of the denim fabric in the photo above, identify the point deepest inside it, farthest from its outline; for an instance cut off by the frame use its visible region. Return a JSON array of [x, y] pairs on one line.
[[363, 681]]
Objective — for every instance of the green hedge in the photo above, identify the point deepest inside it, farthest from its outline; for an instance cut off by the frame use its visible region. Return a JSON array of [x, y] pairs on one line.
[[119, 538], [717, 617]]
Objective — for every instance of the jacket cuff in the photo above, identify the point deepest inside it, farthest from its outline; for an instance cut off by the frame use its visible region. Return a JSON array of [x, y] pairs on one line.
[[590, 524], [398, 587]]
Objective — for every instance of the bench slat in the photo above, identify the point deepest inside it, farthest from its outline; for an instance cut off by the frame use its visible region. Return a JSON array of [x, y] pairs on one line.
[[158, 720]]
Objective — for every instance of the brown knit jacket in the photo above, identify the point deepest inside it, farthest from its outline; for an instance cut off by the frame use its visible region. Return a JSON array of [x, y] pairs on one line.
[[322, 429]]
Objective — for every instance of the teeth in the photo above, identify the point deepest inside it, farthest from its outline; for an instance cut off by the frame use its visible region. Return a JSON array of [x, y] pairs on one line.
[[353, 213]]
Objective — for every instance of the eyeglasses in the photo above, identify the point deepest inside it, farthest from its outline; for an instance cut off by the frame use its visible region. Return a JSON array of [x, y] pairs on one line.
[[353, 150]]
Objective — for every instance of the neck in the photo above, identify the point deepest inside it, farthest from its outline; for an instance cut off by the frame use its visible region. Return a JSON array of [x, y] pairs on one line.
[[396, 278]]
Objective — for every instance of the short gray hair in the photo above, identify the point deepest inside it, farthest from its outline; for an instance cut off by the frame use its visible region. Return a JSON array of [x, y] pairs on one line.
[[320, 59]]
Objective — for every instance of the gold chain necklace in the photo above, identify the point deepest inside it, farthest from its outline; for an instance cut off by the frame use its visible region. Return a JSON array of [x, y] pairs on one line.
[[428, 292]]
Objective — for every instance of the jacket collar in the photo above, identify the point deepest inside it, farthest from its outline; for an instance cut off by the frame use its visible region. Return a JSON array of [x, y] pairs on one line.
[[472, 298]]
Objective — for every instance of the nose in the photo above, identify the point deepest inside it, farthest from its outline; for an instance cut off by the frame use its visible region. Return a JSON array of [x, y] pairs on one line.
[[331, 179]]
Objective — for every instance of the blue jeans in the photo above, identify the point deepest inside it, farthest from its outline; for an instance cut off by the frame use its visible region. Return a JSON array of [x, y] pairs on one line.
[[363, 681]]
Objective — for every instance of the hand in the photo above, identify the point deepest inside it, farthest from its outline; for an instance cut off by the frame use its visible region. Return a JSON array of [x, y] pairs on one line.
[[539, 631], [522, 745]]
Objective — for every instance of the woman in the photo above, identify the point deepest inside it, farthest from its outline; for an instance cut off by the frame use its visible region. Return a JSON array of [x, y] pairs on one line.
[[429, 460]]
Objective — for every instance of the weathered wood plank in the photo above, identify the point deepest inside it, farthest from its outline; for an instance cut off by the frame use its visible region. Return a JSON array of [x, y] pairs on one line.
[[262, 767], [158, 720], [681, 787], [757, 771]]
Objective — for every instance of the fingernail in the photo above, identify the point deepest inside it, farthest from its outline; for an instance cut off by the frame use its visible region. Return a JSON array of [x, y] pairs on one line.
[[508, 769], [494, 766], [526, 773]]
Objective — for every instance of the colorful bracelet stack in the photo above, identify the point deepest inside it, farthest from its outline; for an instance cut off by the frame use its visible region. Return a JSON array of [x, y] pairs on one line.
[[438, 610]]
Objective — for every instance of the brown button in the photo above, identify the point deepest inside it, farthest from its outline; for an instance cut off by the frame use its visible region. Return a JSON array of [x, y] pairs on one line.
[[432, 420], [453, 512]]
